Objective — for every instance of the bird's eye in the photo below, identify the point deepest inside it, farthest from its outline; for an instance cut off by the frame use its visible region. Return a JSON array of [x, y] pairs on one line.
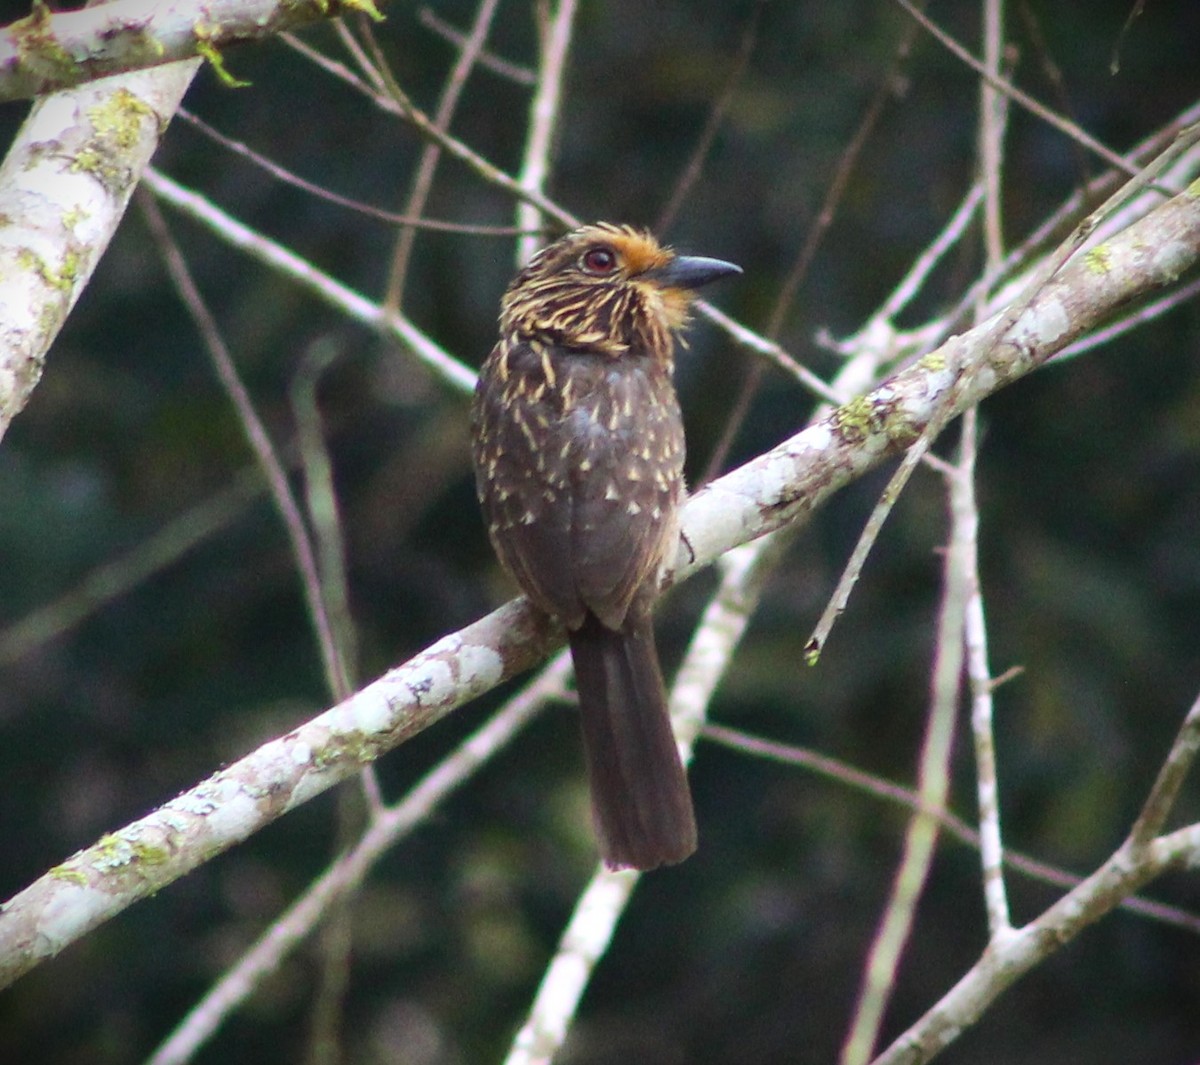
[[601, 260]]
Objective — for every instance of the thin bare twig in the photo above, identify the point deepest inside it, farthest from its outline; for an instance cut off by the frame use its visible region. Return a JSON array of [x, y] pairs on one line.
[[287, 177], [422, 184], [768, 349], [716, 116], [1063, 125], [933, 781], [118, 576], [910, 285], [1135, 12], [321, 503], [259, 439], [873, 527], [987, 779], [993, 116], [957, 828], [1170, 779], [392, 98], [514, 72], [992, 119], [554, 40], [374, 70]]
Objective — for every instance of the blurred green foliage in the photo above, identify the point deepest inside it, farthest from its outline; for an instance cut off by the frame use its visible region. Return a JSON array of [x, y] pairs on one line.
[[751, 952]]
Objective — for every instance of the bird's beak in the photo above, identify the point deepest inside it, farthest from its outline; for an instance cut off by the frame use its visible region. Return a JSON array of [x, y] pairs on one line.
[[691, 271]]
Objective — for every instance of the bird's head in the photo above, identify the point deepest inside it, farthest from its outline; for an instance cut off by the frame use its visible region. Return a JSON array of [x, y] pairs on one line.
[[607, 289]]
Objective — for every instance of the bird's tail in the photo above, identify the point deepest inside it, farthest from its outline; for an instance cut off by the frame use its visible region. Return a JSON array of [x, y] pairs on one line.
[[641, 804]]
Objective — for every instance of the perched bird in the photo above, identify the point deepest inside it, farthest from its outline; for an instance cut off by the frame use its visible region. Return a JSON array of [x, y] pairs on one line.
[[578, 449]]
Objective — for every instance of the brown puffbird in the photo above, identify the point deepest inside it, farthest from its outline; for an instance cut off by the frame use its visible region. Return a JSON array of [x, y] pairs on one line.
[[578, 448]]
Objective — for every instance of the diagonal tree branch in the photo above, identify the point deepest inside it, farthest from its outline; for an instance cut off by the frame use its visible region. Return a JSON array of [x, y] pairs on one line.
[[797, 475]]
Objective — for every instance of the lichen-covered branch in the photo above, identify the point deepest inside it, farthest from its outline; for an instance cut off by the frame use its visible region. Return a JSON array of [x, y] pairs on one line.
[[47, 52], [64, 187], [145, 856], [799, 475]]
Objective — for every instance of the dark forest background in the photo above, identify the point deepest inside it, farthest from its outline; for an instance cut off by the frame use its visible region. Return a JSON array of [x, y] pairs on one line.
[[1089, 483]]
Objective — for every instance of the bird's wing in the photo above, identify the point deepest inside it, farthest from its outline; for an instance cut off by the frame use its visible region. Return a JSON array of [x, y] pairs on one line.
[[522, 478], [627, 480]]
